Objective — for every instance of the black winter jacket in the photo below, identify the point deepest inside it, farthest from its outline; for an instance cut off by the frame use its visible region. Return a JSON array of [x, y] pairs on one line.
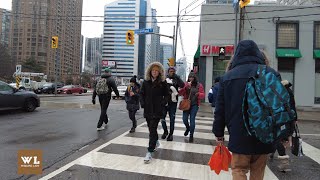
[[228, 110], [133, 101]]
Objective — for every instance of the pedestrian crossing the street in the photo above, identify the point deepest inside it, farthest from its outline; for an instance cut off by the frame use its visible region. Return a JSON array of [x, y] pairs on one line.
[[122, 157]]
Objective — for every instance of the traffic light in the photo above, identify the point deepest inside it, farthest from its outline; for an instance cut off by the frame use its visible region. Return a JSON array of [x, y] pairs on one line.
[[244, 3], [54, 42], [130, 37], [171, 62]]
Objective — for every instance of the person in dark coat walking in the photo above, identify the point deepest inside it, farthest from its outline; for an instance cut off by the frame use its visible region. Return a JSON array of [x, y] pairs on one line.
[[104, 98], [174, 83], [132, 100], [248, 153], [213, 93], [153, 98]]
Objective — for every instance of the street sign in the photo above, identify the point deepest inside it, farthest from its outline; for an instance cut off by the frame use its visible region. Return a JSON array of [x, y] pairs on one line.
[[143, 31], [18, 69], [106, 63]]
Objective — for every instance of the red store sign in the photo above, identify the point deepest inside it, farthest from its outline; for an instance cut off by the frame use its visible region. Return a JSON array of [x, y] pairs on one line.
[[212, 50]]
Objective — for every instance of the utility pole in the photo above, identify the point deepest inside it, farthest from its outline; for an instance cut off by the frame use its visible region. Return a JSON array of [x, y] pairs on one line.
[[236, 10], [175, 35], [174, 29]]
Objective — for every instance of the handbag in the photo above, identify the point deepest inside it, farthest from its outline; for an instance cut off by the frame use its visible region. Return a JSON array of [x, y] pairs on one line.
[[185, 104], [296, 148]]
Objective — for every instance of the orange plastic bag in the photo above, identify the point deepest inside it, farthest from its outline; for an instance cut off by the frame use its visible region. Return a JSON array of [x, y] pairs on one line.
[[220, 159]]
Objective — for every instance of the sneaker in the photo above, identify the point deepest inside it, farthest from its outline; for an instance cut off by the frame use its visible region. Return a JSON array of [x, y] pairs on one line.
[[132, 130], [148, 158], [164, 135], [157, 146], [100, 128], [186, 132], [170, 137]]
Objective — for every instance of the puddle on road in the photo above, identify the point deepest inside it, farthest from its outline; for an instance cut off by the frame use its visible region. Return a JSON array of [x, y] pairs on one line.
[[68, 105]]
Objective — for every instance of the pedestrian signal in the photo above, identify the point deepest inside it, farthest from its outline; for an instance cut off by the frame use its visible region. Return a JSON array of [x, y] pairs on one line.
[[130, 37], [54, 42]]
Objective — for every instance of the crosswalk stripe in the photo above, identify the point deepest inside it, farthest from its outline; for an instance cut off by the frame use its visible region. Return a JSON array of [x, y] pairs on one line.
[[197, 121], [200, 135], [157, 167], [177, 146], [200, 118], [311, 152]]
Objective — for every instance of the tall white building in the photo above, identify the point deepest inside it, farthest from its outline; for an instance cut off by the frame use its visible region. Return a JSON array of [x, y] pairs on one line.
[[155, 39], [119, 17], [93, 56], [181, 68]]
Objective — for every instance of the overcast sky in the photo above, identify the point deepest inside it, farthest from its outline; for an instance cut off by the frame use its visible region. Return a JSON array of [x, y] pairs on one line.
[[189, 31]]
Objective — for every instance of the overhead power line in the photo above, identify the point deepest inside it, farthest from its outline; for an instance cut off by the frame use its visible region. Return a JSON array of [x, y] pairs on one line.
[[173, 16]]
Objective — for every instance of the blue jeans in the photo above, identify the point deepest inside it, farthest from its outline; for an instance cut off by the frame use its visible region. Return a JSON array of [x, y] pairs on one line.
[[192, 113], [172, 109]]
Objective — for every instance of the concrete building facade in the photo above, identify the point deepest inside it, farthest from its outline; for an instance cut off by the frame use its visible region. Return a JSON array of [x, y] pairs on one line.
[[33, 26], [290, 37], [165, 54]]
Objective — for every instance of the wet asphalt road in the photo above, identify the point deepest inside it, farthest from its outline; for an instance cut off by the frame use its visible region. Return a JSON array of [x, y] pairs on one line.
[[60, 127]]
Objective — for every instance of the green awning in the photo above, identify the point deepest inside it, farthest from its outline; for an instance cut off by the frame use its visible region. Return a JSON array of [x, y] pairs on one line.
[[197, 55], [289, 53], [316, 54]]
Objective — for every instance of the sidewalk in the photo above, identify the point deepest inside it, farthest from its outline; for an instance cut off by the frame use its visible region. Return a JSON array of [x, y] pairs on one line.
[[304, 113]]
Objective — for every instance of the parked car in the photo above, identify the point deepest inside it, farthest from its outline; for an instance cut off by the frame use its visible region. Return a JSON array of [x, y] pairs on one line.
[[48, 88], [70, 89], [12, 98], [122, 90]]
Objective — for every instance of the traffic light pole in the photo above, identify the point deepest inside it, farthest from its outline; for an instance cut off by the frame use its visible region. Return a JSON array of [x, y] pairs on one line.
[[176, 33]]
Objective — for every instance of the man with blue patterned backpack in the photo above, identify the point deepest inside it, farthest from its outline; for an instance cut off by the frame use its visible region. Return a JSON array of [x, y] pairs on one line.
[[252, 103]]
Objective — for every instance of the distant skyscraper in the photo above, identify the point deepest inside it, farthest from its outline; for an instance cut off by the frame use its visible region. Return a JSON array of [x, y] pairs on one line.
[[32, 28], [121, 16], [166, 53], [5, 21], [93, 55], [155, 39], [181, 68]]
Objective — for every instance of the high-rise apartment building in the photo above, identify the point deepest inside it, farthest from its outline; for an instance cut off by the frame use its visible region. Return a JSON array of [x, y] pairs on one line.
[[4, 26], [93, 55], [81, 53], [121, 16], [34, 22], [165, 53]]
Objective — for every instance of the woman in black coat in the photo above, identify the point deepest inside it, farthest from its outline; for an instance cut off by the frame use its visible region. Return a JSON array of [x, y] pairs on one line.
[[154, 96], [132, 100]]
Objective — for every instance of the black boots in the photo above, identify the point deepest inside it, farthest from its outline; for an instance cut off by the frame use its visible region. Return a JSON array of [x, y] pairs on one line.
[[164, 135], [170, 137]]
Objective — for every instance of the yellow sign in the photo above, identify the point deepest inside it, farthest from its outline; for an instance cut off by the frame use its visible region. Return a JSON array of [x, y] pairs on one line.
[[29, 162], [243, 3], [130, 37], [54, 42]]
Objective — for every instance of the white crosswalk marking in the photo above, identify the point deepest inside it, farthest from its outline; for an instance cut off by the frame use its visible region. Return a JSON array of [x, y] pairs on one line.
[[108, 157]]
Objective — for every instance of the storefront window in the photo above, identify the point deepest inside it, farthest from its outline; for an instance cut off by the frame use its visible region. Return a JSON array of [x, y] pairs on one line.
[[219, 67], [286, 68], [317, 90]]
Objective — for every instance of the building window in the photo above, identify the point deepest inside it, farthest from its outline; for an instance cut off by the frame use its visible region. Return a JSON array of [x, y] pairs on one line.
[[287, 35], [317, 35]]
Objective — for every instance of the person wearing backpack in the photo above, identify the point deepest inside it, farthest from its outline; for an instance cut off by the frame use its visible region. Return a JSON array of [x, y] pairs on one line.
[[249, 153], [103, 87], [154, 96], [193, 90], [213, 93], [132, 100]]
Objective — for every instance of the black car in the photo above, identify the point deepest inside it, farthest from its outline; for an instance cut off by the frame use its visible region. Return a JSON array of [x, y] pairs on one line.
[[11, 98], [48, 88]]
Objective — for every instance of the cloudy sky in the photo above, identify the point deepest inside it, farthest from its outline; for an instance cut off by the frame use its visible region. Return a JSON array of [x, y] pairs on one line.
[[189, 31]]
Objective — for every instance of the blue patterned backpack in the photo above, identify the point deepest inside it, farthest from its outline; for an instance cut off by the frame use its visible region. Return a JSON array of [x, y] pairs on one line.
[[266, 107]]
